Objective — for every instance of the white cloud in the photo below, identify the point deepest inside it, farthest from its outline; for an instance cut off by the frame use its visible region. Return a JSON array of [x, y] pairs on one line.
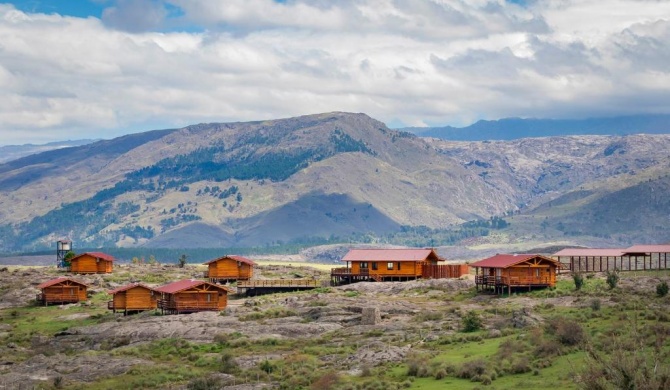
[[416, 62]]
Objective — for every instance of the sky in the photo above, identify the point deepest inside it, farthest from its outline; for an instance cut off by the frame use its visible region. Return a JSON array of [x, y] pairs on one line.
[[103, 68]]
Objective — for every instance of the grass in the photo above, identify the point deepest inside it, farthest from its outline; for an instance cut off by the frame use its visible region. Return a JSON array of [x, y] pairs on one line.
[[441, 354]]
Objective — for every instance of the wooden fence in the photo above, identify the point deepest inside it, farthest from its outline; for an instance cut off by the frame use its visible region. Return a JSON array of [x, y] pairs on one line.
[[444, 271]]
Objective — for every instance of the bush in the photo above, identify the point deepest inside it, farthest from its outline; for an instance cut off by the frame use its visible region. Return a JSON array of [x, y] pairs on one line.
[[568, 332], [662, 289], [328, 381], [471, 322], [595, 304], [228, 365], [472, 369], [579, 280], [520, 366], [613, 278], [210, 383], [416, 364]]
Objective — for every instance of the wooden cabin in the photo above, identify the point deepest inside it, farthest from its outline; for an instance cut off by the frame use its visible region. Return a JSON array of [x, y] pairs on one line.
[[133, 297], [189, 295], [504, 272], [91, 263], [62, 290], [229, 268], [384, 265]]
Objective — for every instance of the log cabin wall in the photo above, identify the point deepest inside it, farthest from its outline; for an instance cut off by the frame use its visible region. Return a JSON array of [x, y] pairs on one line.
[[104, 266], [224, 269], [57, 292], [246, 271], [399, 268], [136, 298], [84, 265]]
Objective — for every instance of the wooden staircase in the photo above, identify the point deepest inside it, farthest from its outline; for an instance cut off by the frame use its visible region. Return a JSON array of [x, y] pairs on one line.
[[376, 277]]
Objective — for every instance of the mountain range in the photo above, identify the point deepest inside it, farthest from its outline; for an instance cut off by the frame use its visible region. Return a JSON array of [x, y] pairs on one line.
[[13, 152], [332, 175], [516, 128]]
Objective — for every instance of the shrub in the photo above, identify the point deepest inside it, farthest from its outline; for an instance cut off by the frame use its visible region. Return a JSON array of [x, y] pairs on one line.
[[440, 374], [595, 304], [568, 332], [267, 366], [416, 365], [578, 278], [485, 379], [546, 348], [472, 369], [471, 322], [662, 289], [209, 383], [612, 278], [520, 366], [328, 381], [228, 365]]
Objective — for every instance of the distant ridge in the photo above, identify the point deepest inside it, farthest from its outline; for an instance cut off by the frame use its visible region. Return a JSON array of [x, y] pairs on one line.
[[515, 128], [13, 152]]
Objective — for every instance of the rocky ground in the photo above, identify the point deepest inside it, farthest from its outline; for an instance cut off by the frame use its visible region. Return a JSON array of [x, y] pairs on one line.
[[82, 345]]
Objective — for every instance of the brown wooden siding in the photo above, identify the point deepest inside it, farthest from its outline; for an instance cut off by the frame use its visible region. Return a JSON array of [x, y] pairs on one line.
[[407, 268], [195, 299], [87, 264], [63, 293], [136, 298], [229, 269]]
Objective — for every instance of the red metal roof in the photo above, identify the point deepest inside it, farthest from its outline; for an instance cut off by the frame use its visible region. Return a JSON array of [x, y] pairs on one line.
[[59, 279], [648, 249], [590, 252], [234, 257], [128, 287], [185, 284], [391, 255], [505, 260], [98, 255]]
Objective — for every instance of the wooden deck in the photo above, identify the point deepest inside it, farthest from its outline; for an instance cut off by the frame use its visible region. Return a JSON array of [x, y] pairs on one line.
[[500, 283], [56, 298], [265, 286], [344, 275], [187, 306]]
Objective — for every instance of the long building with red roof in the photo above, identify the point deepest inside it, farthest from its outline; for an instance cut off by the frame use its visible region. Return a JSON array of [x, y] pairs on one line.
[[634, 258], [393, 265]]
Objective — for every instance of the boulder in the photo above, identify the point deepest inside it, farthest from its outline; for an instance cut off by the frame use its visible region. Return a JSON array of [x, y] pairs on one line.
[[370, 316]]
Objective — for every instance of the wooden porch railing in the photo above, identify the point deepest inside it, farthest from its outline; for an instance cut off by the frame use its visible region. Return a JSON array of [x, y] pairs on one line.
[[57, 298], [278, 283], [487, 280], [187, 305]]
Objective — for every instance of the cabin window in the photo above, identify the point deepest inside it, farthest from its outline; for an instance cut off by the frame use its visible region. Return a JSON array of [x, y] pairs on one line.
[[374, 266], [389, 266], [209, 297], [537, 272], [398, 266], [364, 265]]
